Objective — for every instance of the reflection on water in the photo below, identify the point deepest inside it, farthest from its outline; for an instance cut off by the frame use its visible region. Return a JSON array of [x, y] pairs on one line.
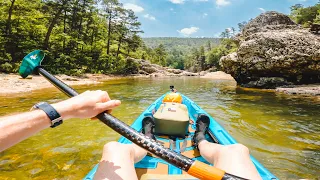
[[281, 131]]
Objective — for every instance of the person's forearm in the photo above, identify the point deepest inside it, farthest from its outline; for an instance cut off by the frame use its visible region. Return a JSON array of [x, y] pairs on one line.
[[16, 128]]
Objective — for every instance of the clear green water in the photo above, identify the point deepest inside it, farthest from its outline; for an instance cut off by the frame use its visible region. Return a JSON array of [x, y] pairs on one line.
[[281, 131]]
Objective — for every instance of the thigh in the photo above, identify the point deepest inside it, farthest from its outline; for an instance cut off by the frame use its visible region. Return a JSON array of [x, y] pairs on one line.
[[235, 159], [117, 162]]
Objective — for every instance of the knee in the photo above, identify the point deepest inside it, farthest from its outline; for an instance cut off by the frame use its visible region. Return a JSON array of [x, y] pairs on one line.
[[111, 147], [237, 148], [116, 148]]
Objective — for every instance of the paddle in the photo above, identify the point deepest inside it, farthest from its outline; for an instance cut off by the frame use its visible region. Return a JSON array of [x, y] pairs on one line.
[[31, 63]]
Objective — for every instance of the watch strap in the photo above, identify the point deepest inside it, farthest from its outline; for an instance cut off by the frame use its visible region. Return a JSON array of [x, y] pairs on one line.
[[53, 115]]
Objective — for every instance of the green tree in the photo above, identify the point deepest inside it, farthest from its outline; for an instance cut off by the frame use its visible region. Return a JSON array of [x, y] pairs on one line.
[[305, 16], [227, 46], [161, 55], [209, 46], [78, 35], [112, 8], [241, 25]]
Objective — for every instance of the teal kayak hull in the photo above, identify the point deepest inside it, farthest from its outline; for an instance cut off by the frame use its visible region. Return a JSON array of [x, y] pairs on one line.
[[153, 165]]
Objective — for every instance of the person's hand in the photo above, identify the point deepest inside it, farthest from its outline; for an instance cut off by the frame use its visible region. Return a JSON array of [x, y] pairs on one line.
[[86, 105]]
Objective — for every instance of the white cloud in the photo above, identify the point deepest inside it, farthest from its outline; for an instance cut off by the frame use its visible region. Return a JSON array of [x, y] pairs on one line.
[[261, 9], [204, 15], [148, 16], [201, 0], [171, 9], [188, 31], [222, 2], [133, 7], [177, 1]]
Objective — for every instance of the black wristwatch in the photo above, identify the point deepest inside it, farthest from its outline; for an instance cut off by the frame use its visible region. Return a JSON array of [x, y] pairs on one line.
[[53, 115]]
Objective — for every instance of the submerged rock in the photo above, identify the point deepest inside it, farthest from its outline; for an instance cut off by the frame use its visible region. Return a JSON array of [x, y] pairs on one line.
[[274, 51], [301, 90]]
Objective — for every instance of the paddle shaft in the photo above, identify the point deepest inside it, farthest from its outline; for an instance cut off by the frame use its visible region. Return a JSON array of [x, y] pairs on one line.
[[194, 168]]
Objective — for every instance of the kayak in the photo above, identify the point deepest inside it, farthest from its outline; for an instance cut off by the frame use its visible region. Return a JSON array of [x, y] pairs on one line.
[[151, 167]]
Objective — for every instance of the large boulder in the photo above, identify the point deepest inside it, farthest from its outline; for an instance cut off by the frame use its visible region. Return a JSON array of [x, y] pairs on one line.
[[174, 71], [145, 66], [274, 51]]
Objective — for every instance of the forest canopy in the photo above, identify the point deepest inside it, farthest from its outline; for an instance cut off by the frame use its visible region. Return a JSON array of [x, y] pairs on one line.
[[78, 36], [88, 36]]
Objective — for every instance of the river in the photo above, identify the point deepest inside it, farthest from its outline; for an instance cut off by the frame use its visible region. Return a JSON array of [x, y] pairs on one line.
[[281, 131]]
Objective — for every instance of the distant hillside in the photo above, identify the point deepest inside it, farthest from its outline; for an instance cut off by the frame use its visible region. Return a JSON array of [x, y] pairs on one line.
[[183, 44]]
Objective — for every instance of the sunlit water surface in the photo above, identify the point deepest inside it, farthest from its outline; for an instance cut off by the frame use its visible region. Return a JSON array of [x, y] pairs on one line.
[[281, 131]]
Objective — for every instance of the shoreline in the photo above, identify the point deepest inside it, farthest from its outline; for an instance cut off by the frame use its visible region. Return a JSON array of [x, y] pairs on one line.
[[14, 84]]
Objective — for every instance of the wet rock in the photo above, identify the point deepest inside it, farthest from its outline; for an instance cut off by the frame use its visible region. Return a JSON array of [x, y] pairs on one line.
[[186, 73], [313, 90], [35, 171], [157, 75], [202, 73], [175, 71], [143, 72], [268, 82], [274, 51]]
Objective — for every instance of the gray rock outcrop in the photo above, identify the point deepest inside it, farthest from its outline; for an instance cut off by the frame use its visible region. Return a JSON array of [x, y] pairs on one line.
[[274, 51], [155, 70]]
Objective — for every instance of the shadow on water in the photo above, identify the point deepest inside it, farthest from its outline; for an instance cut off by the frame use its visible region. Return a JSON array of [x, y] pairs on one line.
[[281, 131]]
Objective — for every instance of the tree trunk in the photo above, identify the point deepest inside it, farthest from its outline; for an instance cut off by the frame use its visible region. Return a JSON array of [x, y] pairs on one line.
[[64, 30], [119, 45], [9, 47], [51, 26], [8, 26], [109, 32], [92, 38], [81, 19]]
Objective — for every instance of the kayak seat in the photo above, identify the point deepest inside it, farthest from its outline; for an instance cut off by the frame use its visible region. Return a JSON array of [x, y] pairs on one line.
[[172, 119]]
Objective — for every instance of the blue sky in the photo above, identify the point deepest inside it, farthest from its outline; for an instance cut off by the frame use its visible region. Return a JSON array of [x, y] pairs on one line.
[[201, 18]]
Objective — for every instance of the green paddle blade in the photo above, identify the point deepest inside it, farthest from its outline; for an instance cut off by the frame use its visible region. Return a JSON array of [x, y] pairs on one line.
[[30, 62]]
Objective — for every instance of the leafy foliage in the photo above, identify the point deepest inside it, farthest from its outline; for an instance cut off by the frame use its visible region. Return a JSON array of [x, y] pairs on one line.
[[79, 36], [306, 16], [179, 53], [180, 44], [227, 46]]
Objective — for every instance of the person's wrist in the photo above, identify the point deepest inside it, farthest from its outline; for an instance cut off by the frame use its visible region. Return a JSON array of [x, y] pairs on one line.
[[64, 111]]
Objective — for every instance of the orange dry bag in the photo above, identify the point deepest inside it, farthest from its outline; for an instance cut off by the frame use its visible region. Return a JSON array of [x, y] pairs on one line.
[[173, 97]]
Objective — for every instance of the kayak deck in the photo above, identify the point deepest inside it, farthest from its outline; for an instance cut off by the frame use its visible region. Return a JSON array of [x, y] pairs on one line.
[[151, 167]]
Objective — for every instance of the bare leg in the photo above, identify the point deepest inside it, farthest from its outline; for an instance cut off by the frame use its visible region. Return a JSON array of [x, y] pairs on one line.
[[118, 160], [234, 159]]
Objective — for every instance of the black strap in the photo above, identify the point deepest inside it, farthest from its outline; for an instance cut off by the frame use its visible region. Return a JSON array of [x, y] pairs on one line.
[[53, 115]]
